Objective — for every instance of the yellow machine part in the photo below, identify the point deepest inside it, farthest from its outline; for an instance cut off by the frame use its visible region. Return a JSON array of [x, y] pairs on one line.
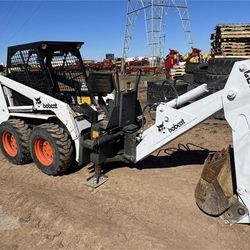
[[186, 57], [95, 134], [194, 59], [84, 99]]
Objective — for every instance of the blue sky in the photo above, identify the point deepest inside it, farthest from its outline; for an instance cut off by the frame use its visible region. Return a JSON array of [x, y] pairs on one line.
[[101, 24]]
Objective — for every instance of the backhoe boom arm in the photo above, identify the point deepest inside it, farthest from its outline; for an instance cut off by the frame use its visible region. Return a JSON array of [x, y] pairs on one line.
[[234, 99]]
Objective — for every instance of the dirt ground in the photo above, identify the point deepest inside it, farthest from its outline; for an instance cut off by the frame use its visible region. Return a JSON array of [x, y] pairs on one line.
[[150, 205], [147, 206]]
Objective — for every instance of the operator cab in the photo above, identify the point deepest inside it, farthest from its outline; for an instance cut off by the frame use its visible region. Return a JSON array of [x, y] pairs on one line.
[[54, 68]]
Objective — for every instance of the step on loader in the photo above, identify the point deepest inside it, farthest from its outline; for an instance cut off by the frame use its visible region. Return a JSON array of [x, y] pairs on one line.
[[54, 113]]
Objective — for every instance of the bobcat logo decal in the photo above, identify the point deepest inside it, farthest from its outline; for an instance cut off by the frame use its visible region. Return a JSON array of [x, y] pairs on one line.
[[38, 100]]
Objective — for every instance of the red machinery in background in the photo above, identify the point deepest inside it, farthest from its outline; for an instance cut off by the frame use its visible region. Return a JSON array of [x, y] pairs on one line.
[[106, 64], [171, 59]]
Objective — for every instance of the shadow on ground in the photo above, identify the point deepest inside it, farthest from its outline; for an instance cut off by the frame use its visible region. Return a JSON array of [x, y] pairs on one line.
[[188, 154]]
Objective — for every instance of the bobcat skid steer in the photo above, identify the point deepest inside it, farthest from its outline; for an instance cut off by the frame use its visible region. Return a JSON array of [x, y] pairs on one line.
[[53, 113]]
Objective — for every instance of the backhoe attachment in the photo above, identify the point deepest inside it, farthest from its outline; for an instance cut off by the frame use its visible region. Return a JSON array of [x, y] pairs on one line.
[[214, 190]]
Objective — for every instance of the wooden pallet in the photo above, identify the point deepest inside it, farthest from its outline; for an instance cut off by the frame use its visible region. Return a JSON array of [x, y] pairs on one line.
[[221, 30], [220, 56], [235, 35], [232, 25], [232, 54], [242, 50], [218, 43], [233, 32], [234, 47], [218, 38], [177, 74], [179, 67], [231, 40], [232, 29], [231, 45], [229, 35], [177, 70]]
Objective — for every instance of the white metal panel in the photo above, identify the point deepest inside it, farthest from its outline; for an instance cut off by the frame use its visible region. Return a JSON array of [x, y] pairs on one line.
[[19, 108], [9, 96], [31, 115], [4, 112], [236, 101], [180, 120]]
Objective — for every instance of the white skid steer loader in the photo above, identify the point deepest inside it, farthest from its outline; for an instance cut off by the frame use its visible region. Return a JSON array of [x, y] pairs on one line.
[[54, 113]]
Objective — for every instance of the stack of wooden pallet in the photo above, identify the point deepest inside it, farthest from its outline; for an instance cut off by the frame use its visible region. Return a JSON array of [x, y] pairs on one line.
[[231, 40], [177, 70]]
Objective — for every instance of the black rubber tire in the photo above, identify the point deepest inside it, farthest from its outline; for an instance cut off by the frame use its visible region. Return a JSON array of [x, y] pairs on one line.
[[200, 76], [156, 92], [192, 67], [222, 66], [188, 78], [203, 66], [216, 82], [192, 86], [61, 143], [21, 131]]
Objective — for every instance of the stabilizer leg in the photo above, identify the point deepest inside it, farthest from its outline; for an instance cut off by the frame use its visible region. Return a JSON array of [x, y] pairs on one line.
[[98, 178]]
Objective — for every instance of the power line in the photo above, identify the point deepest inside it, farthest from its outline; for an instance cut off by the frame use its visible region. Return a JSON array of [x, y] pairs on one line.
[[26, 21], [10, 14]]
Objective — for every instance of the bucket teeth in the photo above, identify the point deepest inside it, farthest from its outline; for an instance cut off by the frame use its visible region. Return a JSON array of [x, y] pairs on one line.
[[215, 187]]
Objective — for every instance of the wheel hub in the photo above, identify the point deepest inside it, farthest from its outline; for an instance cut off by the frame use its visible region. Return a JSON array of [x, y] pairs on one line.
[[44, 151], [10, 144]]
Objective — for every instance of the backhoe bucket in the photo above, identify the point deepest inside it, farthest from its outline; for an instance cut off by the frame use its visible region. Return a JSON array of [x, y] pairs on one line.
[[215, 186]]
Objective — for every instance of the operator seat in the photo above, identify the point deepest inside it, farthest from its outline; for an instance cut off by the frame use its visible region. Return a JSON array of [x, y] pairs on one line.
[[120, 112], [101, 83]]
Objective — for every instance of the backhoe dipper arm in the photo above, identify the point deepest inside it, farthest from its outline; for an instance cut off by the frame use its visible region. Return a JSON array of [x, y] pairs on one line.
[[235, 100]]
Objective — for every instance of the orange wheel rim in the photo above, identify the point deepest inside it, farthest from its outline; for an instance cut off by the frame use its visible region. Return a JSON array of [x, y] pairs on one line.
[[9, 144], [44, 151]]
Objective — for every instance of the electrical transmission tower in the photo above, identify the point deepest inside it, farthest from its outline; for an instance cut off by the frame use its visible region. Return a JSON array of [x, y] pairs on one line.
[[155, 12]]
